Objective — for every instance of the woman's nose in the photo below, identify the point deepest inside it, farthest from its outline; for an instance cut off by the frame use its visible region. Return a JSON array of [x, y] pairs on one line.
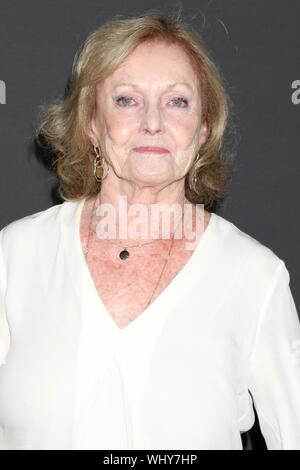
[[152, 118]]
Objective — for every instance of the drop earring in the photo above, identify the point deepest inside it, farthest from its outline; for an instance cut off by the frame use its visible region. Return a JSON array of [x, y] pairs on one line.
[[195, 179], [100, 171]]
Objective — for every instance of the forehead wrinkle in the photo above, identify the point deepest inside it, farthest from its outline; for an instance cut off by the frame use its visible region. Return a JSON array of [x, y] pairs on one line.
[[168, 85]]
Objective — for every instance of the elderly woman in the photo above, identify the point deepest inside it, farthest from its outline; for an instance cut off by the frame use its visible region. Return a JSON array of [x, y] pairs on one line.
[[118, 339]]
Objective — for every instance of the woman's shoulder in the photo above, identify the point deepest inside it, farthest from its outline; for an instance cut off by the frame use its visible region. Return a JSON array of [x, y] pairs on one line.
[[245, 250], [25, 230]]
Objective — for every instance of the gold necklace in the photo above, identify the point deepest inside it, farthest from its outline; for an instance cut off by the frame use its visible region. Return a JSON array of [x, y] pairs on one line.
[[126, 256], [124, 253]]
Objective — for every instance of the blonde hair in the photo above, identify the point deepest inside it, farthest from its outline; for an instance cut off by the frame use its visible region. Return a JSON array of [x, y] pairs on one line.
[[63, 125]]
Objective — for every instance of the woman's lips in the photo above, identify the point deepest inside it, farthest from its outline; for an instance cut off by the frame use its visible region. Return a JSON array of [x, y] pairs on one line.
[[151, 150]]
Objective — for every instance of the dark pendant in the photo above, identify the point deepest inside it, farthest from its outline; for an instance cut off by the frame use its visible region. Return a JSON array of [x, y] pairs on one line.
[[124, 254]]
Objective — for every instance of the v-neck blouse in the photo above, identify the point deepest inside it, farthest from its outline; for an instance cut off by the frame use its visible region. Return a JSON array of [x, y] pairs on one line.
[[167, 295], [222, 337]]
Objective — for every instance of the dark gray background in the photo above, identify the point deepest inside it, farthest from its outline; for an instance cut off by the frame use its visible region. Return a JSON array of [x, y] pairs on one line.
[[255, 43]]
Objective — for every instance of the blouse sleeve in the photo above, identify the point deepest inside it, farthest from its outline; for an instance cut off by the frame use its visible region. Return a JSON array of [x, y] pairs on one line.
[[4, 329], [274, 380]]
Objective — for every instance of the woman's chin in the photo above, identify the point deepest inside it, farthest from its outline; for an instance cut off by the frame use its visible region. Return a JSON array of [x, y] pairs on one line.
[[151, 168], [153, 176]]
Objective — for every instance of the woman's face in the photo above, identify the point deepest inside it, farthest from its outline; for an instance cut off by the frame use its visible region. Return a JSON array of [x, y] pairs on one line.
[[136, 107]]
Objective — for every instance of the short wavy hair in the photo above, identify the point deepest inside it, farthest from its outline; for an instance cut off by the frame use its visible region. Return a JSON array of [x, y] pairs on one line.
[[63, 125]]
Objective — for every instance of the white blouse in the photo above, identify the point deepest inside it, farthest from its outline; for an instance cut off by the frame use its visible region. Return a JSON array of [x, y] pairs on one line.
[[177, 377]]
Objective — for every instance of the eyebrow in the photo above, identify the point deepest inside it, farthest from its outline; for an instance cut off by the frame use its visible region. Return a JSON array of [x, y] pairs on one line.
[[168, 85]]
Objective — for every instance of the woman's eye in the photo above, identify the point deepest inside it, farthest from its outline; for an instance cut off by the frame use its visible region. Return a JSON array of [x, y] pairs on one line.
[[180, 100], [123, 99]]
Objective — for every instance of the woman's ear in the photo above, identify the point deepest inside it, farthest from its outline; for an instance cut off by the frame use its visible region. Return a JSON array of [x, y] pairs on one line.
[[204, 134], [92, 134]]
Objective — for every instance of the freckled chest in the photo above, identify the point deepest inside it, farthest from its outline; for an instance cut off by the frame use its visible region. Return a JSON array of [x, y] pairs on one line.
[[126, 286]]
